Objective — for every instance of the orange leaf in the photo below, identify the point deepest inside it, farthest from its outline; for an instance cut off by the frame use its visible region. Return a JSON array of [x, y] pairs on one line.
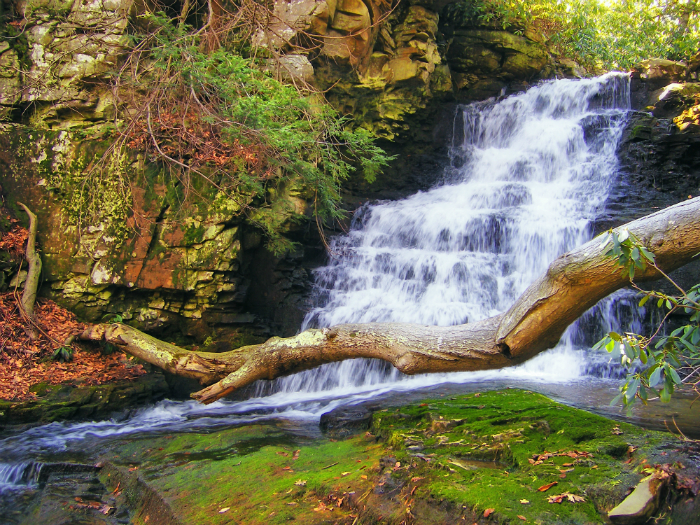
[[522, 517], [545, 488], [488, 512]]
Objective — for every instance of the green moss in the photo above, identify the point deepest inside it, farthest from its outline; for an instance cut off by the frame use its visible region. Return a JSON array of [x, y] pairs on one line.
[[510, 428], [466, 454], [253, 471], [91, 187], [194, 234]]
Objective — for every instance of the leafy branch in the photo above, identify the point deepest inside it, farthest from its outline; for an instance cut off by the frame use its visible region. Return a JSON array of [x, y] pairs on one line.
[[667, 361]]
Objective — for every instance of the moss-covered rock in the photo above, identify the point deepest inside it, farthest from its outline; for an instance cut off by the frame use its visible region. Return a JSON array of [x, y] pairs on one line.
[[441, 461], [64, 402]]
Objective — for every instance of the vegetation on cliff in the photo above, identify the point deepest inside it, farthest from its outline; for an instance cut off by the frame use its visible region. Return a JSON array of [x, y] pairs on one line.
[[598, 33], [218, 111]]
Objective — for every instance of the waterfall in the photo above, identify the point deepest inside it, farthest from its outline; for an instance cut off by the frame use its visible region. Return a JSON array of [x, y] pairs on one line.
[[529, 174], [18, 475]]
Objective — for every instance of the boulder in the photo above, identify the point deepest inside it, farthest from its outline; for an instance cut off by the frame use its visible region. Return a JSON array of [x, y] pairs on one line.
[[639, 506]]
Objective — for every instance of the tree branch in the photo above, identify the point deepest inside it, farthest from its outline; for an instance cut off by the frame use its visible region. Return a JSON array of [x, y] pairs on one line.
[[572, 284], [31, 284]]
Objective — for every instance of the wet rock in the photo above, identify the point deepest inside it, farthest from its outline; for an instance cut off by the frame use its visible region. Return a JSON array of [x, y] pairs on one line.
[[659, 152], [345, 422], [62, 402]]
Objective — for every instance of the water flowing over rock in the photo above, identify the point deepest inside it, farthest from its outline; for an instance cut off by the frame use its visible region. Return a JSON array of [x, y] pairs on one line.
[[529, 176]]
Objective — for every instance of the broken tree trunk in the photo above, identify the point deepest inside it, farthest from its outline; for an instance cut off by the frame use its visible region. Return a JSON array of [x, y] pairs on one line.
[[572, 284], [31, 284]]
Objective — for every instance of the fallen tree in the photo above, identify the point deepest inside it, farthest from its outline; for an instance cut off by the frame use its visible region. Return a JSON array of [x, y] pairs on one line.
[[572, 284]]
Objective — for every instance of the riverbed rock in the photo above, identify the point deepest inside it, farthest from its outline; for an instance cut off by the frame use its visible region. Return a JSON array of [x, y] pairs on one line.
[[345, 421], [493, 457], [639, 506], [68, 401]]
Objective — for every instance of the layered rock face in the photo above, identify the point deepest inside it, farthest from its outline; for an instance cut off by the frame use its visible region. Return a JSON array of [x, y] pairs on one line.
[[660, 149], [203, 269]]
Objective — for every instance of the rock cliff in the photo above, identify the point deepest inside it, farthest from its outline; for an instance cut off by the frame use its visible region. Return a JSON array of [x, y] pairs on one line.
[[202, 270]]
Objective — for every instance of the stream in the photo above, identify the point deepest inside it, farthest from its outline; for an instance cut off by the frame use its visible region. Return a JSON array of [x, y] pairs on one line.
[[529, 175]]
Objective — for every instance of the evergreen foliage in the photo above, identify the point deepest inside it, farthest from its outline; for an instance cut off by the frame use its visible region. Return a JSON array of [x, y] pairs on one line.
[[224, 117]]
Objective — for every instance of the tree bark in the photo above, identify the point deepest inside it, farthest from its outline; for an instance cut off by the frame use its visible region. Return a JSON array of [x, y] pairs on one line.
[[31, 284], [571, 285]]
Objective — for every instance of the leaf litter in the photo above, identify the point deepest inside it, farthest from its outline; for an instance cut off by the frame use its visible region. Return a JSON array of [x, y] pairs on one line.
[[25, 362]]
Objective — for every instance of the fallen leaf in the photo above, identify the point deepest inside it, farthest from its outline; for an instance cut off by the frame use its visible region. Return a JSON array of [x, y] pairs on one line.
[[573, 498], [488, 512], [524, 502], [416, 478], [225, 509], [545, 488], [522, 517], [345, 474], [296, 454], [300, 483], [321, 507]]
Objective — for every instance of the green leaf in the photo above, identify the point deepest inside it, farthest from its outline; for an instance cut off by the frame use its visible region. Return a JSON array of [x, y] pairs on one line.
[[617, 399], [665, 395], [632, 389], [655, 377], [643, 393], [674, 375], [643, 356], [644, 300], [647, 254]]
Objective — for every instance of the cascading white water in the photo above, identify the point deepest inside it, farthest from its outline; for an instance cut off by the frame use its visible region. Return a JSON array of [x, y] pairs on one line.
[[18, 475], [529, 175]]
